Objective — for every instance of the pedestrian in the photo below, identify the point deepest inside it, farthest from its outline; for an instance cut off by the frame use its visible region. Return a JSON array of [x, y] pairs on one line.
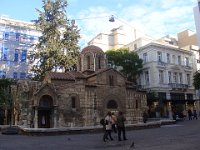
[[189, 114], [108, 127], [145, 116], [114, 120], [121, 126], [195, 114]]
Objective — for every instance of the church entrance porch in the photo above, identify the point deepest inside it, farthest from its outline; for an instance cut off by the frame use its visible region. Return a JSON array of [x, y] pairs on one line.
[[45, 112], [44, 118]]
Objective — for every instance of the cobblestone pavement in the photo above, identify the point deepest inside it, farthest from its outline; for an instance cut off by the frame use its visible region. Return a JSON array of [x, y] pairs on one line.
[[181, 136]]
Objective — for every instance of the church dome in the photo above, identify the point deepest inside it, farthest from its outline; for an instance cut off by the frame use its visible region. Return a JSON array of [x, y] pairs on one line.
[[92, 49]]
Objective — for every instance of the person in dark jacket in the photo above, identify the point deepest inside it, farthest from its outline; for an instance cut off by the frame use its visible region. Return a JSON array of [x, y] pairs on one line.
[[121, 126]]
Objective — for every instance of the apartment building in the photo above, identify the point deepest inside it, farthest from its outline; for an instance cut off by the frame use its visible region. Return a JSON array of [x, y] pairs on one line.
[[196, 11], [167, 77], [116, 38], [16, 40]]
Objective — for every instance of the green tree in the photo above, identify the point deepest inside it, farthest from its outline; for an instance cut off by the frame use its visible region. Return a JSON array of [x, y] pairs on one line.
[[196, 80], [6, 102], [58, 45], [128, 62]]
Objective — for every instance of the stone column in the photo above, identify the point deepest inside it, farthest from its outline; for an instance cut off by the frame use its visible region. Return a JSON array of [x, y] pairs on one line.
[[36, 118], [55, 117]]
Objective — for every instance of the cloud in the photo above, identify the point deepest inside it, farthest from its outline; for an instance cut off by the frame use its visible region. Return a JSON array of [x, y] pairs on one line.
[[155, 18]]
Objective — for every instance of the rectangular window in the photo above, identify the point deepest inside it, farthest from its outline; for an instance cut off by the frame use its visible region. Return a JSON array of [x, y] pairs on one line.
[[145, 57], [111, 82], [170, 77], [186, 61], [5, 54], [2, 74], [146, 77], [6, 36], [168, 58], [22, 75], [180, 78], [175, 77], [179, 60], [174, 59], [15, 75], [23, 38], [23, 56], [32, 39], [17, 37], [188, 79], [16, 55], [159, 55], [161, 76]]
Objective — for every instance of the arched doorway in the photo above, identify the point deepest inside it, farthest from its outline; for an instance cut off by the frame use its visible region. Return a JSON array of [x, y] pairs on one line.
[[45, 110], [112, 106]]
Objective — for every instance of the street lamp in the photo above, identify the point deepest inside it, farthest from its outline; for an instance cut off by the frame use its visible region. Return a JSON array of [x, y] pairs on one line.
[[112, 19]]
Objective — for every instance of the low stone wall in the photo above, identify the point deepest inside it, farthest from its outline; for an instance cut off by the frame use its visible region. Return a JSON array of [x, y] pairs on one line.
[[86, 130]]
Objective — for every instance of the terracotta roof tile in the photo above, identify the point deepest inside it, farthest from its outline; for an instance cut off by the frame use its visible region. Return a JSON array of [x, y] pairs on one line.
[[60, 76], [91, 48], [70, 75]]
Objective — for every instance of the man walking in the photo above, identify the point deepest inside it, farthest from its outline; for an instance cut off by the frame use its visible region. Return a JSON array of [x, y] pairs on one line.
[[121, 126]]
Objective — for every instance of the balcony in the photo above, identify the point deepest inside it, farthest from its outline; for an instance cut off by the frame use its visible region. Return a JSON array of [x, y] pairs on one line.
[[177, 86], [160, 63]]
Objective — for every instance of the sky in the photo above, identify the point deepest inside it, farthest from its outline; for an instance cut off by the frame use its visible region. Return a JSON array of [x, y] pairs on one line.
[[155, 18]]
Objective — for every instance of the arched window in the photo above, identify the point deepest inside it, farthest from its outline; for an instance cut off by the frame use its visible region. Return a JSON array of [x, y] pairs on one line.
[[99, 62], [88, 62], [73, 102], [111, 80], [112, 104], [136, 105]]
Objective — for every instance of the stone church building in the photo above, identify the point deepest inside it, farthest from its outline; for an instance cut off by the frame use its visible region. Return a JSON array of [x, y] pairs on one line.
[[77, 98]]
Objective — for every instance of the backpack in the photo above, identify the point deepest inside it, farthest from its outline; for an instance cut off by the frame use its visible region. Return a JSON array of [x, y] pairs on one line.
[[102, 121]]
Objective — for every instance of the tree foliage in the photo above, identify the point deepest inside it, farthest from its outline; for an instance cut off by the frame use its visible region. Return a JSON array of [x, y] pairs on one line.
[[5, 95], [129, 62], [58, 45], [196, 80]]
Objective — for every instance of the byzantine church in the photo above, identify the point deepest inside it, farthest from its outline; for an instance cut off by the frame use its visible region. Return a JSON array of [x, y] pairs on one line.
[[77, 98]]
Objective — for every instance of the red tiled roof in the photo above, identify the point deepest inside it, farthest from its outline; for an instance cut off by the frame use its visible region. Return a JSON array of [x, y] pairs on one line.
[[60, 76], [77, 74], [92, 48], [70, 75]]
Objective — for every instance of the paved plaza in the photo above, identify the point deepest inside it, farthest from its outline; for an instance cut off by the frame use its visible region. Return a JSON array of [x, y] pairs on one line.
[[183, 135]]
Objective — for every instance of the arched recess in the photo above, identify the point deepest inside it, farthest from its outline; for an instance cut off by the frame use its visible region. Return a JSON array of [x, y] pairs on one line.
[[45, 111], [112, 104]]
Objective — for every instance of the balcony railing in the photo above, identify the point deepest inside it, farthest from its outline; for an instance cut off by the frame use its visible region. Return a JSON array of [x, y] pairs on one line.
[[178, 86], [161, 63]]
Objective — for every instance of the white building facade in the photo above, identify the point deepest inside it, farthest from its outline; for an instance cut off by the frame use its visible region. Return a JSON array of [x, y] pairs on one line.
[[16, 40], [168, 74], [116, 38], [196, 11]]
